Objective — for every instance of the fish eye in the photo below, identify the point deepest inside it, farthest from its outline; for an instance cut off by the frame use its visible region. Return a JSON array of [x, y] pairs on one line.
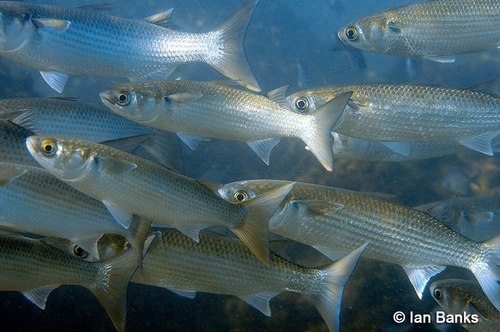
[[123, 98], [48, 147], [438, 295], [79, 252], [351, 33], [302, 103], [240, 196]]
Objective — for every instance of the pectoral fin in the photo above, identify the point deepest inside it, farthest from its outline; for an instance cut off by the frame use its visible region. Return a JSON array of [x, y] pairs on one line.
[[313, 207], [122, 217], [184, 97], [114, 166], [192, 141], [441, 59], [51, 24]]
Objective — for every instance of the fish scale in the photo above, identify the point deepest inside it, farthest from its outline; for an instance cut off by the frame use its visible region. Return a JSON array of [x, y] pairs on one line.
[[67, 117], [37, 267], [223, 265], [129, 185], [335, 221], [215, 110], [407, 113], [60, 41], [430, 29], [34, 201]]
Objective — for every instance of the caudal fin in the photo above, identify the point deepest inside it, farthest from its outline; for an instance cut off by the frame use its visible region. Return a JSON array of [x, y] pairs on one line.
[[233, 62], [488, 274], [329, 302], [318, 138], [253, 232], [110, 286]]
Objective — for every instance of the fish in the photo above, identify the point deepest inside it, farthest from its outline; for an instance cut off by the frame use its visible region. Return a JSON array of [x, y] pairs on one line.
[[196, 110], [84, 41], [335, 221], [34, 201], [13, 144], [222, 265], [128, 185], [437, 30], [351, 148], [465, 297], [475, 217], [36, 267], [408, 113], [96, 123]]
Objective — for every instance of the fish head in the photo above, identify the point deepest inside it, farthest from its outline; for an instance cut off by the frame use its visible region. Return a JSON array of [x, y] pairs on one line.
[[242, 191], [16, 27], [135, 102], [308, 101], [302, 101], [374, 33], [64, 158], [449, 294]]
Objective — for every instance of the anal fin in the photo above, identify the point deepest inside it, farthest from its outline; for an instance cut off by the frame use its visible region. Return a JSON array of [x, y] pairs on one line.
[[260, 302], [420, 275], [56, 80], [39, 295], [263, 148]]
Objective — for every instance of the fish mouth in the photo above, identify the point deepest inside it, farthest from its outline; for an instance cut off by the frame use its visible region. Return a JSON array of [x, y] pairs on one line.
[[106, 98]]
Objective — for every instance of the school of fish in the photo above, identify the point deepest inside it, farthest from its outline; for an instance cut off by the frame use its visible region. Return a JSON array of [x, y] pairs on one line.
[[90, 194]]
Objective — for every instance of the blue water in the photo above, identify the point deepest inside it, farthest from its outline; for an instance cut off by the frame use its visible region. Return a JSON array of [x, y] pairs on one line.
[[287, 42]]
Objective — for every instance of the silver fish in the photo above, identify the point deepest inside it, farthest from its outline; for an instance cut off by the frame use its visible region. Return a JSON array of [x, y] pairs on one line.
[[437, 30], [36, 267], [351, 148], [32, 200], [215, 110], [408, 113], [459, 297], [13, 144], [336, 221], [222, 265], [67, 117], [58, 41], [128, 185], [475, 217]]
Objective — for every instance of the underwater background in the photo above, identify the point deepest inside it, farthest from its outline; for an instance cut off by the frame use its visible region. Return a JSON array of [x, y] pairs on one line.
[[287, 42]]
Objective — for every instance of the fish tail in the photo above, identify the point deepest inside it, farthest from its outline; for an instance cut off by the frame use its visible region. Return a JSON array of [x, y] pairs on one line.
[[488, 274], [318, 138], [110, 286], [336, 276], [253, 232], [233, 62]]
